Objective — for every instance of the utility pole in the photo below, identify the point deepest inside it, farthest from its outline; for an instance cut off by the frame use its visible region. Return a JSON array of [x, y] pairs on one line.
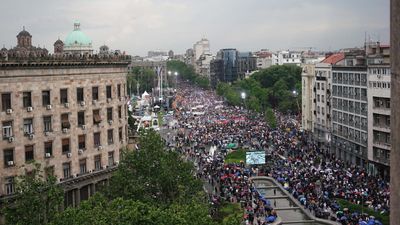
[[395, 112]]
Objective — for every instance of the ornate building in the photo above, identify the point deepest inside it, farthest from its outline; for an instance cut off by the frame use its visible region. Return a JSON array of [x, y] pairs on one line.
[[77, 43], [24, 48], [66, 112]]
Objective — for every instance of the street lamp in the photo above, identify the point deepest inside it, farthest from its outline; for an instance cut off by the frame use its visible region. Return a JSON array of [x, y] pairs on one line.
[[243, 95], [295, 94], [169, 72], [176, 79]]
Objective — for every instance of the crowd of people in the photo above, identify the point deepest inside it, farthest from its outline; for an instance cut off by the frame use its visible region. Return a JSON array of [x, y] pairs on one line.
[[314, 178]]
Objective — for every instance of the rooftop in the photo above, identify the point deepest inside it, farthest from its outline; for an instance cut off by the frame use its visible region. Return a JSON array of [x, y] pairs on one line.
[[334, 58]]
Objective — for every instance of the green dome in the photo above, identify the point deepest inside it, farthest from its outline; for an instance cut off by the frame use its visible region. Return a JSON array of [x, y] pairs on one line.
[[77, 37]]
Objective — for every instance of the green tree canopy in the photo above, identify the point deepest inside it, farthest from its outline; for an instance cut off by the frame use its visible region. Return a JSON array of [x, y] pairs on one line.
[[153, 175], [270, 118], [98, 210], [37, 200]]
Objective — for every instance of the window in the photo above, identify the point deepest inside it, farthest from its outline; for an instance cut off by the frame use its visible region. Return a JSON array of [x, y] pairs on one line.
[[65, 146], [26, 99], [97, 162], [7, 129], [111, 158], [120, 134], [108, 91], [110, 136], [29, 156], [119, 90], [9, 185], [96, 116], [48, 147], [47, 124], [119, 112], [28, 126], [79, 95], [8, 157], [96, 139], [64, 96], [81, 142], [387, 103], [67, 170], [95, 93], [5, 101], [317, 85], [322, 86], [82, 166], [109, 114], [65, 121], [81, 118], [46, 98]]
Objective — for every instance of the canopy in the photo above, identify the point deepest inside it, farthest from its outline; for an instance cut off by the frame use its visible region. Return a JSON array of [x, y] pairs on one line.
[[231, 145]]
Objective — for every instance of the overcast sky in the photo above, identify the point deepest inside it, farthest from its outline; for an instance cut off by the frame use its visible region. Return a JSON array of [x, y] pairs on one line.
[[137, 26]]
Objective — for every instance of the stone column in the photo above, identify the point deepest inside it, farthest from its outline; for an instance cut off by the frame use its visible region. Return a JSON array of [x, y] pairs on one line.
[[395, 112]]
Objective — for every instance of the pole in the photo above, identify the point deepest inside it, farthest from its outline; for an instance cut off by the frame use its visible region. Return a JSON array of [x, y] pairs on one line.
[[395, 112]]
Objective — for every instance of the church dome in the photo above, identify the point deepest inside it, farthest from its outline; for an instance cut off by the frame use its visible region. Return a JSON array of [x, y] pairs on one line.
[[58, 42], [77, 37], [24, 33]]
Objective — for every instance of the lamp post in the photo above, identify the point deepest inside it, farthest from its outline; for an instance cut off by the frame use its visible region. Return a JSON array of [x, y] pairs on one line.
[[243, 95], [295, 94], [176, 79]]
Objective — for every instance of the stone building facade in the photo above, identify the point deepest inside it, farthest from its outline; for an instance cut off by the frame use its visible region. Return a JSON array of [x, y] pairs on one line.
[[68, 113], [71, 118]]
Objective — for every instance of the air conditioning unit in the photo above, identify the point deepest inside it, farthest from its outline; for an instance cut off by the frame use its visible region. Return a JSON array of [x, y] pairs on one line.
[[10, 139], [9, 111], [83, 103], [110, 122], [80, 151], [69, 155], [83, 127], [31, 136], [94, 102], [46, 133], [66, 105], [65, 130], [100, 147], [48, 107], [47, 155], [29, 109], [10, 163], [108, 100]]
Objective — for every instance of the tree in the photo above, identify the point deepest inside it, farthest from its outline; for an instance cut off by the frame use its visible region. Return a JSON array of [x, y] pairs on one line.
[[270, 118], [37, 200], [98, 210], [254, 104], [153, 175]]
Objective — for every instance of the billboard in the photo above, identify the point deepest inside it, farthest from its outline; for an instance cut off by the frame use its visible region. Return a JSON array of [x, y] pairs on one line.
[[255, 158]]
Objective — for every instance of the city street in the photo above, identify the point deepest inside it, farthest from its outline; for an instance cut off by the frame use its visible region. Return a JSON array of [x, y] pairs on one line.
[[314, 179]]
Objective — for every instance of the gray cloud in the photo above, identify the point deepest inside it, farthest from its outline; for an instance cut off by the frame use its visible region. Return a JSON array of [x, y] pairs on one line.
[[137, 26]]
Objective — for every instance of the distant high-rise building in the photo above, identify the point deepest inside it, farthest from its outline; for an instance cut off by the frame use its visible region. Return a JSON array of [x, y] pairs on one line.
[[171, 54], [229, 72]]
